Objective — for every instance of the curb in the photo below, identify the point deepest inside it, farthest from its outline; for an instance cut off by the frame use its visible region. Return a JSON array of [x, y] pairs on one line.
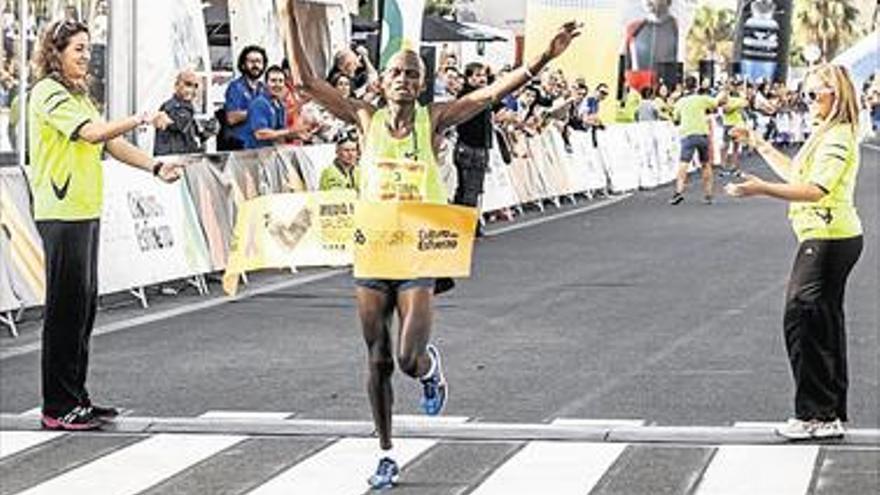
[[473, 431]]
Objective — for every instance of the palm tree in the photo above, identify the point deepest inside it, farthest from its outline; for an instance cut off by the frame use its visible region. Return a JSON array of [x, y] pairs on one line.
[[830, 24], [443, 8], [711, 35]]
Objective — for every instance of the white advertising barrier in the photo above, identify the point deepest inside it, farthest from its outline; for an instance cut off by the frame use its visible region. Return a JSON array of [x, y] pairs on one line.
[[538, 162], [8, 300], [312, 161], [149, 232], [644, 143], [669, 151], [554, 145], [620, 161], [498, 190], [594, 178], [22, 255]]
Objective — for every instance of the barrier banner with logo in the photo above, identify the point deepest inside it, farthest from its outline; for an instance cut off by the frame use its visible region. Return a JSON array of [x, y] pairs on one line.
[[22, 253], [291, 230], [406, 240], [149, 232]]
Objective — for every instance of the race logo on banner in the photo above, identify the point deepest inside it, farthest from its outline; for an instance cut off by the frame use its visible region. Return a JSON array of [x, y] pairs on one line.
[[291, 230], [406, 240]]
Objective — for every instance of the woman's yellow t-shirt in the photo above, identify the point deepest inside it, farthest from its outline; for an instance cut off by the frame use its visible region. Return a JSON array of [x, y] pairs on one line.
[[833, 166]]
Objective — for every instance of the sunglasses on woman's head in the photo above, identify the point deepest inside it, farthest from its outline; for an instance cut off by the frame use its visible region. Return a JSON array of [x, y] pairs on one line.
[[69, 26]]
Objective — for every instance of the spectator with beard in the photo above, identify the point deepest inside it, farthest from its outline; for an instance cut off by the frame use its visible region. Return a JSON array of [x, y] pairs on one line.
[[239, 95]]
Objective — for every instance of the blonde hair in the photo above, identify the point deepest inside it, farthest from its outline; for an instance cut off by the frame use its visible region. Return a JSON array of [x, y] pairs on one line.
[[844, 111]]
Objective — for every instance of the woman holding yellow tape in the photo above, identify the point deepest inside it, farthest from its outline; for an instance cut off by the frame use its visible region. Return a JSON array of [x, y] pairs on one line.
[[820, 186], [399, 164]]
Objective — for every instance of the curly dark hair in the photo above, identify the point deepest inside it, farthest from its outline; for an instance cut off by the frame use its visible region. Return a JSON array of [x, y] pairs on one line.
[[47, 63], [242, 57]]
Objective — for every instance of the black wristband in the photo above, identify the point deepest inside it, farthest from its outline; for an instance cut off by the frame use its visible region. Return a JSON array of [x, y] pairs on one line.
[[157, 168]]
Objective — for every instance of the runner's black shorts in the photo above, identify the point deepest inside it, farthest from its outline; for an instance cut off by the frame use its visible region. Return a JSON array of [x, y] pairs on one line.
[[392, 287]]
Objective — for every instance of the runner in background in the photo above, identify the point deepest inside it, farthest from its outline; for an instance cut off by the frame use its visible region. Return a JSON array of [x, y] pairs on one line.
[[405, 131], [732, 117], [692, 115]]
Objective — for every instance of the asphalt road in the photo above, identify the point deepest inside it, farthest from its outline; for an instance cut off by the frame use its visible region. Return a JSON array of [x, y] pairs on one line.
[[668, 315]]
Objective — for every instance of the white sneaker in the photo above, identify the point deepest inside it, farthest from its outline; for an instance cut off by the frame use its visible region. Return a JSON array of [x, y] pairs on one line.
[[796, 429], [829, 429]]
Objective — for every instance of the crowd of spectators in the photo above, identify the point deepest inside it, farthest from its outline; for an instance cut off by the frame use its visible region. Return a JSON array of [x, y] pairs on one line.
[[552, 99]]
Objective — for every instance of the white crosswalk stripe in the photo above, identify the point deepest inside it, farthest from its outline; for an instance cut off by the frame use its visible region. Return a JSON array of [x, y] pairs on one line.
[[138, 467], [759, 470], [13, 442], [341, 468], [560, 468]]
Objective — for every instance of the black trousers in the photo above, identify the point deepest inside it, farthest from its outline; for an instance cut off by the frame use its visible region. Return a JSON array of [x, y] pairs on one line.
[[71, 251], [815, 335], [471, 164]]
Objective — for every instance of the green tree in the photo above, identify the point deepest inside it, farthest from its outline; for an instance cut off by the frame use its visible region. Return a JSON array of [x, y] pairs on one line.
[[830, 24], [440, 7], [711, 36]]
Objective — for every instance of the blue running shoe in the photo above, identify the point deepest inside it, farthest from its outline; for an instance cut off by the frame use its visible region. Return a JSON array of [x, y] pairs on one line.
[[434, 388], [386, 474]]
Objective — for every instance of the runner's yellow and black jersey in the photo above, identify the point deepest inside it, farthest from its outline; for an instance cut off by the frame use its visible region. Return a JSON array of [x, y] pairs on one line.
[[66, 176], [401, 169], [833, 166]]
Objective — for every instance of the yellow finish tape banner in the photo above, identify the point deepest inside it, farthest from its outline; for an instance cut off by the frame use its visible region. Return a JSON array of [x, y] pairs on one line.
[[291, 230], [406, 240]]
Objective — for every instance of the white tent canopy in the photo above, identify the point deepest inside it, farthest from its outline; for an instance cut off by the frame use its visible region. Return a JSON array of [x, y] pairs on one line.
[[862, 59]]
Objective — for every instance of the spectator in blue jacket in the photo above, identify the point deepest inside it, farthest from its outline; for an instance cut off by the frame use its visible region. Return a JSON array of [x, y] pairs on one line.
[[266, 115]]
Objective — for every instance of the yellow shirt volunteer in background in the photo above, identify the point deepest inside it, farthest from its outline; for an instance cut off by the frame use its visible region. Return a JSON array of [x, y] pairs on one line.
[[66, 175]]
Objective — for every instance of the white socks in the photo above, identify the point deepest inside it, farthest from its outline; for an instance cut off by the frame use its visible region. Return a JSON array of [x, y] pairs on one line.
[[390, 453]]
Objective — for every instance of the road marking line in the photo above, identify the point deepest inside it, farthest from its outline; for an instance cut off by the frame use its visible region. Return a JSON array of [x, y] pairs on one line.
[[246, 415], [560, 468], [182, 310], [137, 467], [341, 468], [413, 420], [598, 423], [758, 470], [13, 442], [559, 216]]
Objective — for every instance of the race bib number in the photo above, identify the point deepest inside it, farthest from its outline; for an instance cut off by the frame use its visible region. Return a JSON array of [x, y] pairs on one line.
[[401, 180]]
